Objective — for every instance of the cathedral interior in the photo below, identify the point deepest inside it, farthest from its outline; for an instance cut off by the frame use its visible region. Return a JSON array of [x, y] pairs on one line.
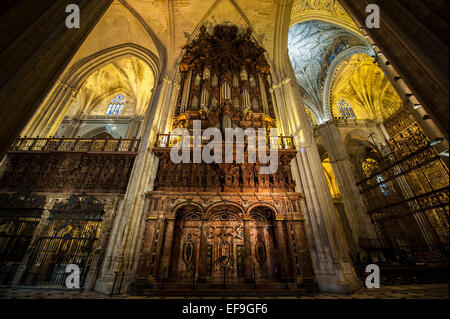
[[90, 115]]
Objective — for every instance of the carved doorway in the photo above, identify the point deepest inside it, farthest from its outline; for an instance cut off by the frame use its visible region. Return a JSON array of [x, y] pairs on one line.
[[186, 246], [225, 246], [265, 256]]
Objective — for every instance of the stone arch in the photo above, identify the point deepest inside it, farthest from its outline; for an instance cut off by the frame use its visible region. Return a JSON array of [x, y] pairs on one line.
[[331, 73], [99, 130], [44, 123], [337, 16], [81, 70], [355, 142]]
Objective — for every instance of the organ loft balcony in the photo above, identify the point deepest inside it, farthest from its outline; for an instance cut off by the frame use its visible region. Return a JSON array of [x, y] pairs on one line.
[[69, 165], [165, 142], [229, 174]]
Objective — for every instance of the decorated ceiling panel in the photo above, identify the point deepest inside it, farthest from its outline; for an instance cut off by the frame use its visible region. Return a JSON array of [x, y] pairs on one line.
[[129, 76], [364, 87], [312, 45]]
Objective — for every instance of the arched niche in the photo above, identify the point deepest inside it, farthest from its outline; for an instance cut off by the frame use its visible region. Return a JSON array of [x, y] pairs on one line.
[[63, 96]]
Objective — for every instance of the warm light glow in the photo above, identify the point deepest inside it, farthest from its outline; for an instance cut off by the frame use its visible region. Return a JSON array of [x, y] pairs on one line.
[[363, 85]]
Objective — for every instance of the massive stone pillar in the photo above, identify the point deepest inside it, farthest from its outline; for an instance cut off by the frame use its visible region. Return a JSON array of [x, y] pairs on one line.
[[51, 112], [355, 209], [150, 228], [126, 239], [332, 266], [412, 37], [36, 47]]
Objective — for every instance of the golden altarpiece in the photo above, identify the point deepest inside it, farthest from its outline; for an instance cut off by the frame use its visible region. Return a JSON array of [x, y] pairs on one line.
[[215, 223]]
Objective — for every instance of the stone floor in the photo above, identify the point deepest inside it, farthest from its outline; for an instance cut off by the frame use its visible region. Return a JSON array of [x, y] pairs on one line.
[[431, 291]]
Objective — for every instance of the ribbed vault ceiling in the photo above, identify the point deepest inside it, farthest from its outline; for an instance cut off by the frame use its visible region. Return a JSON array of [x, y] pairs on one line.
[[308, 43]]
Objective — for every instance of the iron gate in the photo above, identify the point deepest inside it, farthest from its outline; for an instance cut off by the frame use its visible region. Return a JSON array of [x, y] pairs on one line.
[[67, 239], [15, 236]]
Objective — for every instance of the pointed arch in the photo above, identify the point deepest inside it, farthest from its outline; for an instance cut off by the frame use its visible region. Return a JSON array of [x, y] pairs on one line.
[[82, 69], [332, 70]]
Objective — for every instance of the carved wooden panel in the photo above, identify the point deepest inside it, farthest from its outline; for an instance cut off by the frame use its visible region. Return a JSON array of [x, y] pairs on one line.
[[67, 172], [221, 178]]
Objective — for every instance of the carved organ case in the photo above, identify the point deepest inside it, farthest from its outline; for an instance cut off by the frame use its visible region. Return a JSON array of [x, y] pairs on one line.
[[210, 223]]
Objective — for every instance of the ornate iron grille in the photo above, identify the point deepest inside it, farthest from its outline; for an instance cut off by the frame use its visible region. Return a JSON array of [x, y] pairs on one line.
[[15, 236], [409, 179], [68, 238]]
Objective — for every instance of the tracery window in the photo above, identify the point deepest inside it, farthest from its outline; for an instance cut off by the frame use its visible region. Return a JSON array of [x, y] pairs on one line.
[[116, 105], [383, 187], [331, 57], [345, 109]]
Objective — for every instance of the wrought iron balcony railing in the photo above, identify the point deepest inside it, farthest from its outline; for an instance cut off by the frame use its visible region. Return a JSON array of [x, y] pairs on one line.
[[75, 145], [278, 142]]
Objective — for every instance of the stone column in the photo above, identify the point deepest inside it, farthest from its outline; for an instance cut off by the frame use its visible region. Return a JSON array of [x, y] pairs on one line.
[[36, 47], [146, 254], [126, 239], [248, 259], [72, 128], [51, 112], [414, 46], [355, 209], [333, 269]]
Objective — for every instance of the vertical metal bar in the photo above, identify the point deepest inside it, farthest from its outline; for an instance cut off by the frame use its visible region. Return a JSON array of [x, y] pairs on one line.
[[114, 284], [164, 278], [121, 281]]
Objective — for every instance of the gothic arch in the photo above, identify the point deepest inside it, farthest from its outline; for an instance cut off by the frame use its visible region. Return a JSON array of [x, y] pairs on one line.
[[99, 130], [320, 17], [331, 73], [101, 97], [355, 141], [58, 99], [81, 70]]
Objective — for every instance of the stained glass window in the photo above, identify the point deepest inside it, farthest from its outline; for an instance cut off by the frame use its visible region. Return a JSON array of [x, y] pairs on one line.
[[116, 105], [383, 187], [345, 109], [331, 58]]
